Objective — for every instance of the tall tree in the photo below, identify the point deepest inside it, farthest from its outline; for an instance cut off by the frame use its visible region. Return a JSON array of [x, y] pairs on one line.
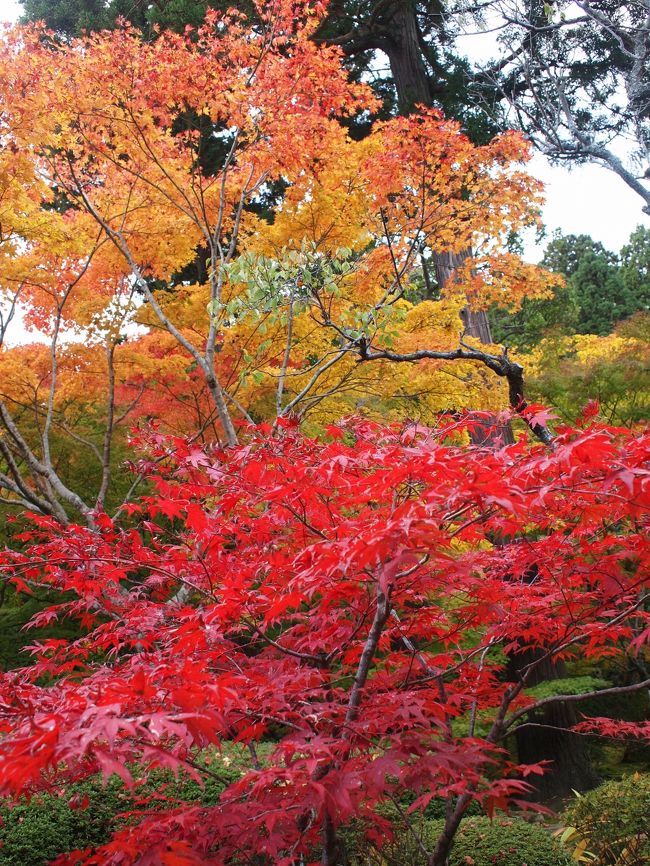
[[606, 287], [602, 296], [417, 40], [635, 268], [105, 210], [565, 253], [575, 75], [600, 290]]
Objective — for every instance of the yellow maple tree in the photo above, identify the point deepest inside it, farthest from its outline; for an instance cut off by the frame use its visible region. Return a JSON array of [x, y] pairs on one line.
[[202, 185]]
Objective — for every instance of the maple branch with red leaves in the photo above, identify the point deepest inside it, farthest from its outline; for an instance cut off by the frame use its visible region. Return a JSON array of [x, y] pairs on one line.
[[373, 551]]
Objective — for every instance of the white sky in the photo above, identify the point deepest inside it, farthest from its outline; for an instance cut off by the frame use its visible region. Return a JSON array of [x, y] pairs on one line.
[[587, 199], [584, 200], [9, 10]]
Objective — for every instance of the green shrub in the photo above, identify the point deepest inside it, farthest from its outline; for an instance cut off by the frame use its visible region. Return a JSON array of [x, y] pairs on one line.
[[612, 822], [479, 842], [35, 832], [505, 842]]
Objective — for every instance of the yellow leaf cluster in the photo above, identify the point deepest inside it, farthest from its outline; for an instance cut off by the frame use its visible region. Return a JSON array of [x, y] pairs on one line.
[[107, 193]]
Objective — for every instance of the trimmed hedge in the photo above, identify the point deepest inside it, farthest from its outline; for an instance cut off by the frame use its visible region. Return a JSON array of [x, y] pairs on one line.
[[34, 832], [505, 842], [479, 842]]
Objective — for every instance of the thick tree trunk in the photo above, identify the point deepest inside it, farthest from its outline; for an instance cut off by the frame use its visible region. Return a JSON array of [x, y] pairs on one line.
[[476, 322], [405, 56], [549, 739]]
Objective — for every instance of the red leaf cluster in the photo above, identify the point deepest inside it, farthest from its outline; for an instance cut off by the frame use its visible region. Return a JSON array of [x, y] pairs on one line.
[[352, 600]]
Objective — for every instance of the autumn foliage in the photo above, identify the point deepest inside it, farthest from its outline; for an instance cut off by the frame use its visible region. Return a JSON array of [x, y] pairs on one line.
[[136, 174], [354, 600], [205, 246]]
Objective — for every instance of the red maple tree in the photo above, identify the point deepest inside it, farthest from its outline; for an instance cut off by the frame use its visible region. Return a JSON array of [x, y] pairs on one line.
[[353, 600]]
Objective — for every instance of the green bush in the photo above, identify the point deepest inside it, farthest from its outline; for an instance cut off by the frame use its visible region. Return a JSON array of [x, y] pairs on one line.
[[34, 832], [505, 842], [479, 842], [612, 822]]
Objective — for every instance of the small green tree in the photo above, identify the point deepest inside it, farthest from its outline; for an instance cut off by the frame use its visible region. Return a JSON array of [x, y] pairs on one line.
[[601, 290], [635, 268], [565, 253], [603, 299]]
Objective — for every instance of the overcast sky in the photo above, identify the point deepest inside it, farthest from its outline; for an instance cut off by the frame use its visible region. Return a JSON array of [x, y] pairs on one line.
[[585, 200]]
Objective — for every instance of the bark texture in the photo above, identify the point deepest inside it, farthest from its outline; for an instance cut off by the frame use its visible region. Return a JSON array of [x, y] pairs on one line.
[[547, 738], [405, 56]]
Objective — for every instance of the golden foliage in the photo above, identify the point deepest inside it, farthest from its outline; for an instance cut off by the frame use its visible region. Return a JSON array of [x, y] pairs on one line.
[[108, 193]]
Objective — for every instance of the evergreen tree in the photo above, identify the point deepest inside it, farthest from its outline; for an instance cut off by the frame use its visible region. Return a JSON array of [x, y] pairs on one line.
[[71, 17], [635, 268], [601, 294], [594, 282], [536, 319], [606, 288], [601, 290], [565, 253]]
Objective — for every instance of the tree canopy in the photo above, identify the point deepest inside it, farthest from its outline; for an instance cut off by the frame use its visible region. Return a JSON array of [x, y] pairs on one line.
[[340, 536], [571, 75], [105, 208]]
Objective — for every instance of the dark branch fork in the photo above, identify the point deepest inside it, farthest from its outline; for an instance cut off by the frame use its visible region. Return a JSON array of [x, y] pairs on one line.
[[502, 365]]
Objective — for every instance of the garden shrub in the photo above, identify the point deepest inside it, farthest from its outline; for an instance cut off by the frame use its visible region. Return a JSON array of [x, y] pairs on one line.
[[612, 822], [505, 842], [34, 832], [479, 842]]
